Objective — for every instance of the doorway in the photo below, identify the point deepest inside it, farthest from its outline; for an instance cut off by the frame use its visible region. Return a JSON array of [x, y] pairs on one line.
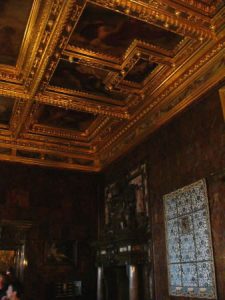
[[116, 283]]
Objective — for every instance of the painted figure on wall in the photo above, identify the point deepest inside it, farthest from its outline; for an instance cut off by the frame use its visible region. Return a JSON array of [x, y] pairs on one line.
[[59, 252]]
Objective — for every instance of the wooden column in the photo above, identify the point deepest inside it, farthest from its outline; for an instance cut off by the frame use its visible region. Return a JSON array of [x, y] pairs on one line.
[[133, 282], [100, 288]]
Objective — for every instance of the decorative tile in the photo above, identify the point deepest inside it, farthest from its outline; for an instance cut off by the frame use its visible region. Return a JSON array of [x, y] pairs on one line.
[[183, 204], [175, 273], [172, 208], [189, 275], [205, 270], [174, 251], [198, 196], [172, 228], [189, 246]]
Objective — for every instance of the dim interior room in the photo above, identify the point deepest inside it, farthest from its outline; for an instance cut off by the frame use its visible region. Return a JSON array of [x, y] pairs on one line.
[[112, 149]]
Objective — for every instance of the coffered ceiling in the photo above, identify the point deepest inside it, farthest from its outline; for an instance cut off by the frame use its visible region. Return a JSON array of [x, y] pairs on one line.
[[81, 82]]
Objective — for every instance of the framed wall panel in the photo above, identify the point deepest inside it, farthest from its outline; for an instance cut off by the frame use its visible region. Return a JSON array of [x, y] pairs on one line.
[[189, 245]]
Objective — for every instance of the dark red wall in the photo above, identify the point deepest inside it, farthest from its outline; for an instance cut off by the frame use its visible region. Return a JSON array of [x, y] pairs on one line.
[[189, 148], [62, 205]]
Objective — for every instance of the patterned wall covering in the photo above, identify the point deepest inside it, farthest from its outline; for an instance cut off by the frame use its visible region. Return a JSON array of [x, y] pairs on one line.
[[189, 245]]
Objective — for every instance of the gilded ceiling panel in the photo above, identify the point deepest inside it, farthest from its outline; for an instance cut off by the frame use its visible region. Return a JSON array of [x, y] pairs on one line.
[[141, 70], [83, 78], [103, 30], [58, 117]]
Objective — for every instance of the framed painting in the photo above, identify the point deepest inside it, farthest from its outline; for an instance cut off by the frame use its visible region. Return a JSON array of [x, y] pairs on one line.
[[126, 202], [61, 252]]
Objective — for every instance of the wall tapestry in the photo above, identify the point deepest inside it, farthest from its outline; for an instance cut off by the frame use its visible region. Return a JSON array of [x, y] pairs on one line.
[[189, 246]]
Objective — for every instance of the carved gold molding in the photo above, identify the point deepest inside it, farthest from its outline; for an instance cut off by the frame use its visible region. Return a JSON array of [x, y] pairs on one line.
[[52, 24], [37, 151], [195, 7], [70, 146], [82, 104], [155, 14], [52, 164], [66, 133], [28, 38], [12, 90]]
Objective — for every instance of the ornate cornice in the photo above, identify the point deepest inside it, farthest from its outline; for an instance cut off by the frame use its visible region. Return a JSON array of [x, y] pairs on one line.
[[149, 119], [44, 150], [70, 146], [70, 164], [61, 133]]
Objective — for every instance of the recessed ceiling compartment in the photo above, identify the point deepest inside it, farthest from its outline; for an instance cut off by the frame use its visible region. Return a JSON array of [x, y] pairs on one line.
[[57, 117], [106, 31], [83, 78]]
